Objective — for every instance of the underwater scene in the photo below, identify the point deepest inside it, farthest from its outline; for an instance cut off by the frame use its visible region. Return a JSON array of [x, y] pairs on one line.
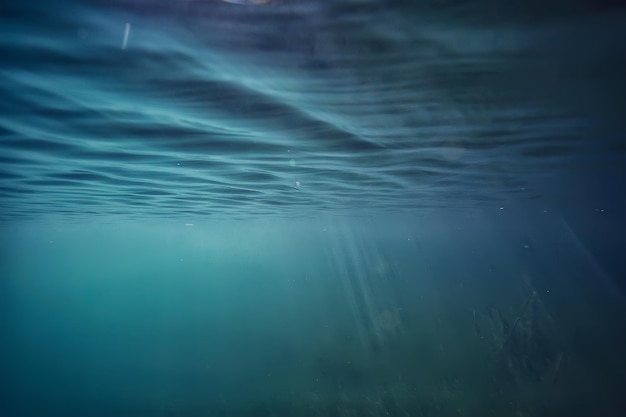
[[324, 208]]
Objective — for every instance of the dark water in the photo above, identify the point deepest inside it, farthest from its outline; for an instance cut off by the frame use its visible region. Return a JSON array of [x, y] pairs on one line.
[[210, 108], [312, 208]]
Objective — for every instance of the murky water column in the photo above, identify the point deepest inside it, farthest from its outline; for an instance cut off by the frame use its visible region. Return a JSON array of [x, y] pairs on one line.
[[457, 319], [443, 315]]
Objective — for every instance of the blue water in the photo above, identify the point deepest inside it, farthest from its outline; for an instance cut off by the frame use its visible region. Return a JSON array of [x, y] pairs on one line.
[[312, 208], [175, 108]]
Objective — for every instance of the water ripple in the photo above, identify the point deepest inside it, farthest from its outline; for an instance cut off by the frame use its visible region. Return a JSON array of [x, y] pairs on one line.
[[194, 108]]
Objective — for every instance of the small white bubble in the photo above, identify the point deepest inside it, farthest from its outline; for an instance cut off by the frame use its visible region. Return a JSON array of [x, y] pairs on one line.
[[126, 35], [297, 183]]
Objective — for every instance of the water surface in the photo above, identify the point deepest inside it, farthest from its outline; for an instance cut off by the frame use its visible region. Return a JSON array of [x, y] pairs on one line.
[[168, 108]]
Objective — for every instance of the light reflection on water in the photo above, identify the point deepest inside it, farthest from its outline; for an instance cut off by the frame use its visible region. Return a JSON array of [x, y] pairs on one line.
[[139, 108]]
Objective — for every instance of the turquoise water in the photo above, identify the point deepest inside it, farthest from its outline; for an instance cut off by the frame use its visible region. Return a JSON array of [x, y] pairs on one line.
[[180, 108], [299, 208]]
